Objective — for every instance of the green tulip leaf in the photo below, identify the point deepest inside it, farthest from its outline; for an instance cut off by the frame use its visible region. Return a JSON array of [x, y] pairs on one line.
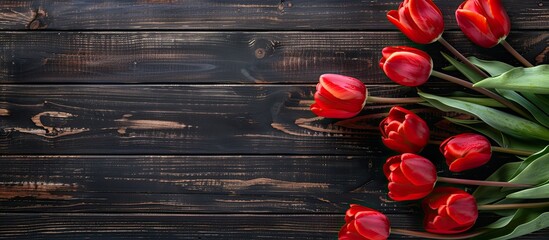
[[540, 116], [496, 68], [500, 138], [532, 79], [466, 71], [530, 159], [449, 68], [541, 101], [487, 195], [488, 102], [523, 222], [480, 127], [501, 222], [534, 170], [538, 192], [504, 122]]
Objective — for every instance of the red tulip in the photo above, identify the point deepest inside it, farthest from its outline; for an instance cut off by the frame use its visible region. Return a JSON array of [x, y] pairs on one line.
[[404, 131], [406, 65], [449, 210], [339, 96], [466, 151], [362, 223], [419, 20], [410, 176], [484, 22]]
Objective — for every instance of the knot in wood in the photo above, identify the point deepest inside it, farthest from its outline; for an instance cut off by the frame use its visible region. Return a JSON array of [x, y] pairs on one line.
[[38, 20], [262, 47], [260, 53], [35, 24]]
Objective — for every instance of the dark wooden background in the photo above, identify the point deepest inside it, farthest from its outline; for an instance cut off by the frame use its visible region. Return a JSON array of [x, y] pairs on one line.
[[189, 119]]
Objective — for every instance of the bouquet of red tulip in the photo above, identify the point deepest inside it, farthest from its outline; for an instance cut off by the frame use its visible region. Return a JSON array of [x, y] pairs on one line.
[[512, 111]]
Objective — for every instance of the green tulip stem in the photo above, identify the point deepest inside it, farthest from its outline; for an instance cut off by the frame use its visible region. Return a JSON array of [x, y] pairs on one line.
[[512, 151], [493, 207], [482, 183], [371, 99], [515, 54], [484, 91], [434, 235], [461, 57], [497, 149]]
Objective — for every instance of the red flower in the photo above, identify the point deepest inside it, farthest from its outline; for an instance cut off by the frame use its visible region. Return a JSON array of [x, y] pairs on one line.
[[419, 20], [406, 65], [449, 210], [362, 223], [466, 151], [484, 22], [339, 96], [410, 176], [404, 131]]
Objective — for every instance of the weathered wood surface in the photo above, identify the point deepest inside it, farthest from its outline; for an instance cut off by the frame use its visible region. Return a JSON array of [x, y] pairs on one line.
[[223, 14], [166, 119], [181, 119], [221, 57], [170, 226], [199, 184], [185, 226], [204, 184]]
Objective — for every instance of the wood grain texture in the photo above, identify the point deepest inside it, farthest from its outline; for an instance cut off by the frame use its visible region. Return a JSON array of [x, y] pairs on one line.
[[245, 14], [221, 57], [187, 226], [202, 184], [174, 226], [193, 184], [183, 119]]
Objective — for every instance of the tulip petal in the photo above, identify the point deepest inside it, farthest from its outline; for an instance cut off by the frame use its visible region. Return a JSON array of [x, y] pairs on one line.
[[405, 192], [415, 130], [403, 25], [343, 87], [472, 160], [372, 225], [393, 126], [398, 145], [462, 208], [428, 17], [408, 69], [418, 170], [498, 18], [473, 6], [442, 224], [476, 28], [353, 210], [331, 113], [326, 100]]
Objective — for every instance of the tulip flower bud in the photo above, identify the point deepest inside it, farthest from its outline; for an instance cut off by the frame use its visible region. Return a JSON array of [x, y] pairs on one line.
[[466, 151], [404, 131], [406, 65], [419, 20], [484, 22], [449, 210], [410, 176], [339, 96], [364, 223]]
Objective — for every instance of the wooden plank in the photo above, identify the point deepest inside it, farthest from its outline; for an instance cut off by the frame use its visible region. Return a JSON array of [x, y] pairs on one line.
[[188, 226], [183, 119], [173, 226], [203, 184], [220, 57], [246, 14]]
